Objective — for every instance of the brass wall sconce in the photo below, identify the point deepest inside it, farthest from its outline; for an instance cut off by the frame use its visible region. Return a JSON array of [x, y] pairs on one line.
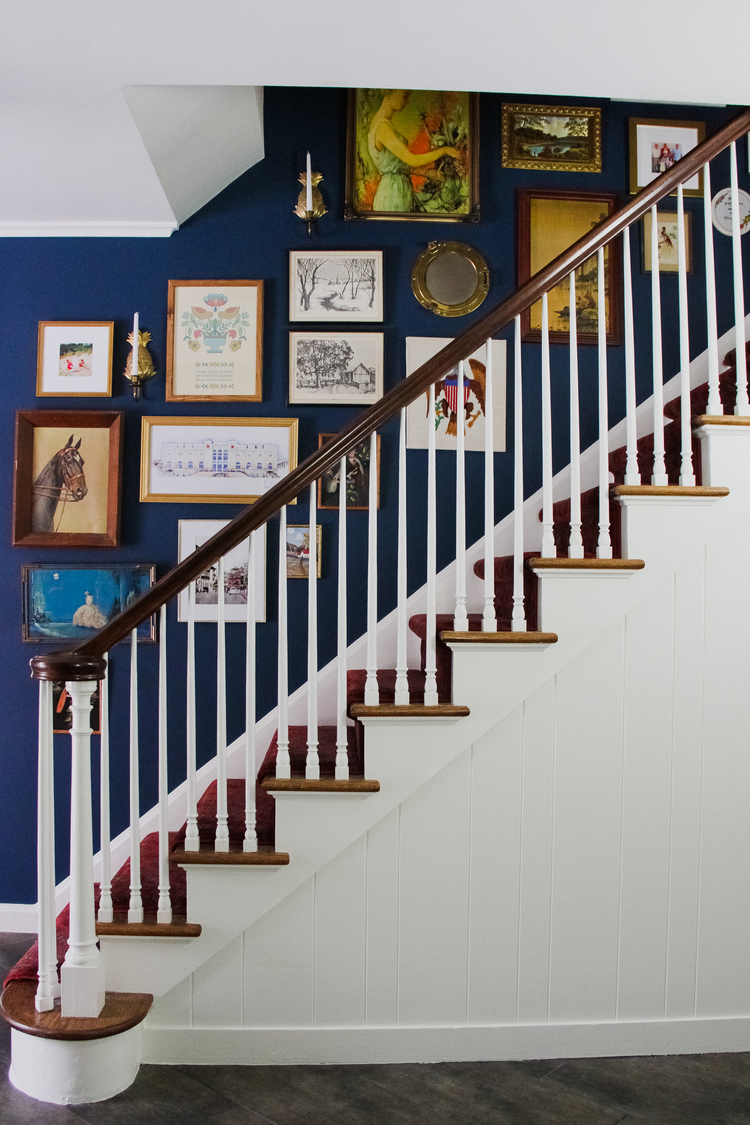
[[450, 278], [145, 369], [310, 204]]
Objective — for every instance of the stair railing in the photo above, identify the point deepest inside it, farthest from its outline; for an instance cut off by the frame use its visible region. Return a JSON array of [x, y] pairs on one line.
[[86, 664]]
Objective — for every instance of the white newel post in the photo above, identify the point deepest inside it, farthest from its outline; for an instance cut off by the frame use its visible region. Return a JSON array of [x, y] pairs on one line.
[[49, 987], [82, 974]]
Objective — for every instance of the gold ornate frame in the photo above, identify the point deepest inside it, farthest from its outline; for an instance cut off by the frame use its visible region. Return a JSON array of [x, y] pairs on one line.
[[594, 115], [421, 289]]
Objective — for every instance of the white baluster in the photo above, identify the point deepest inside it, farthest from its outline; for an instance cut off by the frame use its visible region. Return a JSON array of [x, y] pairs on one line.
[[135, 908], [342, 757], [660, 471], [283, 761], [105, 913], [548, 537], [48, 987], [164, 907], [518, 618], [192, 841], [372, 693], [489, 617], [632, 475], [687, 475], [575, 545], [250, 842], [82, 973], [221, 844], [714, 398], [312, 764], [402, 681], [742, 405], [430, 664], [460, 619], [604, 547]]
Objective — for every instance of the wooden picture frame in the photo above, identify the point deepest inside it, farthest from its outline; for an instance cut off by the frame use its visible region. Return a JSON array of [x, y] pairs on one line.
[[71, 601], [335, 368], [549, 221], [666, 221], [657, 145], [333, 286], [225, 363], [50, 481], [74, 359], [552, 138], [187, 453], [357, 499], [297, 557], [417, 122]]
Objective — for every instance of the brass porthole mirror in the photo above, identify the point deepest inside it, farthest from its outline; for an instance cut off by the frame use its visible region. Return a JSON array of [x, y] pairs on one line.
[[450, 278]]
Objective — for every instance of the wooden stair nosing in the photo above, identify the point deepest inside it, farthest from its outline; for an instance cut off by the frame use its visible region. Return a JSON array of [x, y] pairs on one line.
[[408, 710], [234, 857], [506, 638], [721, 420], [149, 928], [585, 564], [668, 490], [322, 785], [121, 1011]]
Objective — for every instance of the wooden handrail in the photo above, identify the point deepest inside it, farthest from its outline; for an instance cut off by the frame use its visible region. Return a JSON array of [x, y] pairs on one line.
[[375, 417]]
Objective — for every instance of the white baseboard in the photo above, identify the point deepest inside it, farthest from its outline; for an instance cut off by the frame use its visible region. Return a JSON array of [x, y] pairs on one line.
[[17, 918], [341, 1045]]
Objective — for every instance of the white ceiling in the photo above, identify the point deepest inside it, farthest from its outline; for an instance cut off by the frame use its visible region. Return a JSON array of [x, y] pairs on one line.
[[74, 161]]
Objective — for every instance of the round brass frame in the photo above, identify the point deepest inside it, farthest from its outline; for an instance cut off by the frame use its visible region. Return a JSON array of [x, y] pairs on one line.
[[469, 257]]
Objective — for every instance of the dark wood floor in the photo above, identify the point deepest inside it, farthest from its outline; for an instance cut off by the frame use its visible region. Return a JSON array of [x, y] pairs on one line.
[[672, 1090]]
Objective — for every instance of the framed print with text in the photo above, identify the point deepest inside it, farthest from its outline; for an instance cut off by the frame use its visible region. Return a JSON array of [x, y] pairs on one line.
[[74, 358]]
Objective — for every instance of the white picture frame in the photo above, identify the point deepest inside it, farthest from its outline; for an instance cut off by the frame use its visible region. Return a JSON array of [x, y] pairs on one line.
[[332, 286], [192, 534], [421, 348], [335, 368], [74, 359]]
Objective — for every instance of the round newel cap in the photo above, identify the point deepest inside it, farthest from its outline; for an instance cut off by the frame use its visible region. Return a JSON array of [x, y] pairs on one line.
[[62, 666]]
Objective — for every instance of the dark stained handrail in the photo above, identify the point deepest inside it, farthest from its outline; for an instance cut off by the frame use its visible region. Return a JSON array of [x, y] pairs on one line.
[[52, 665]]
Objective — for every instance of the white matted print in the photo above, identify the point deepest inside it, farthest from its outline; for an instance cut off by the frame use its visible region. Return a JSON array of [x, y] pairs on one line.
[[421, 348], [193, 534], [335, 368], [657, 146], [336, 285], [74, 358]]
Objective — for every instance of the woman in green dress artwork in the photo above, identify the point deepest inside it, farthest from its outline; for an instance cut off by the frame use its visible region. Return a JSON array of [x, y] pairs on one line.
[[394, 161]]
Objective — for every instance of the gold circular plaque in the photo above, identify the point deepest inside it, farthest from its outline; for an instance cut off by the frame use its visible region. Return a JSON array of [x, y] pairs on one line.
[[450, 278]]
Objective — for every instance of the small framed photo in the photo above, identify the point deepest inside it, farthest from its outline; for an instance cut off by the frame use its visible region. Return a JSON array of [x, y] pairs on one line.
[[412, 154], [335, 368], [668, 233], [71, 602], [298, 550], [193, 534], [62, 714], [552, 138], [336, 285], [74, 358], [357, 478], [549, 221], [420, 349], [215, 341], [214, 460], [66, 489], [656, 146]]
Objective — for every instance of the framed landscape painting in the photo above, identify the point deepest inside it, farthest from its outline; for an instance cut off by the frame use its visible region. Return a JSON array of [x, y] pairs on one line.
[[357, 478], [215, 341], [193, 534], [412, 154], [336, 285], [74, 358], [552, 138], [335, 368], [70, 602], [656, 146]]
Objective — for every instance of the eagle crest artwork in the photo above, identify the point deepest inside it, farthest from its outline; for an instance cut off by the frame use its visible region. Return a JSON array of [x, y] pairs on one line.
[[454, 396], [447, 396]]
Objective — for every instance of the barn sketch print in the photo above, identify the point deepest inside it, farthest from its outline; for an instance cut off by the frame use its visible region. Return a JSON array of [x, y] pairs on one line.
[[336, 367]]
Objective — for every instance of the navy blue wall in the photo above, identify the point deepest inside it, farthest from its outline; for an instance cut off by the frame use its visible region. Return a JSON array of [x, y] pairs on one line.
[[247, 231]]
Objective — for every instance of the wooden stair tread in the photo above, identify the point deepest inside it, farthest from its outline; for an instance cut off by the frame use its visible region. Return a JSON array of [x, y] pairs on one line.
[[721, 420], [121, 1011], [235, 856], [323, 785], [451, 637], [585, 564], [120, 927], [667, 490], [415, 710]]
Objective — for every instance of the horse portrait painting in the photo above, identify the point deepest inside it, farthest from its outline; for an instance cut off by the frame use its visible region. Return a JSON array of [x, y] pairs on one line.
[[61, 481]]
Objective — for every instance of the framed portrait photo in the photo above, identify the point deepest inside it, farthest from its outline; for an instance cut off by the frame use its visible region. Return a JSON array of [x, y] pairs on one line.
[[74, 358], [549, 221], [335, 368], [336, 285], [656, 146], [66, 489], [668, 234], [215, 341], [214, 460], [71, 602], [357, 480], [412, 154], [298, 550], [193, 534], [552, 138]]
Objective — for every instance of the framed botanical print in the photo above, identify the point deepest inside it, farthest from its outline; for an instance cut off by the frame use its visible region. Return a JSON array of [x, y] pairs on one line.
[[668, 235], [412, 154], [357, 478], [74, 359], [70, 602], [550, 221], [552, 138], [656, 146], [215, 341], [336, 285], [66, 489], [335, 368], [193, 534]]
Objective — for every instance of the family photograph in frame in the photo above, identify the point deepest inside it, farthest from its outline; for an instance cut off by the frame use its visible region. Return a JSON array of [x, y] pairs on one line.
[[335, 368], [356, 478], [552, 138], [74, 358], [335, 285], [70, 602], [193, 534], [656, 146]]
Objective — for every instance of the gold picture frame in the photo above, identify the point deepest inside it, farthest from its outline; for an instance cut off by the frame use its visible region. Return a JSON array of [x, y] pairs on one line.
[[74, 359], [666, 222], [450, 269], [654, 142], [171, 452], [552, 138]]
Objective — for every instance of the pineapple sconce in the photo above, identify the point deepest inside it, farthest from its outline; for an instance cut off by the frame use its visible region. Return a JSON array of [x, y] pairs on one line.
[[143, 369]]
